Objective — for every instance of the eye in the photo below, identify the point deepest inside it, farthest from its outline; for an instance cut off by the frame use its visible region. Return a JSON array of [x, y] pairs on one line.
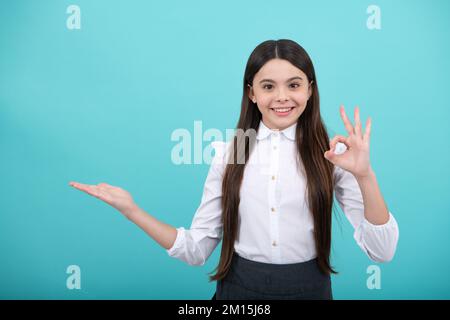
[[295, 85], [266, 86]]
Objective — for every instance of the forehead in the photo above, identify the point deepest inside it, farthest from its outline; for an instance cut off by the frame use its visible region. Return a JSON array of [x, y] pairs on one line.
[[279, 70]]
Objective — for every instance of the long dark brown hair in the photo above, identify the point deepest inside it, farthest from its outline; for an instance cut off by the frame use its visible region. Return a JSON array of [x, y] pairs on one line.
[[312, 141]]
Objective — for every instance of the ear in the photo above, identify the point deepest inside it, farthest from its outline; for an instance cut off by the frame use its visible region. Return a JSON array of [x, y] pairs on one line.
[[310, 89], [250, 92]]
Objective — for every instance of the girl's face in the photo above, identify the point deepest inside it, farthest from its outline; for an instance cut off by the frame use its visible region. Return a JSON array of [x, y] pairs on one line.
[[281, 92]]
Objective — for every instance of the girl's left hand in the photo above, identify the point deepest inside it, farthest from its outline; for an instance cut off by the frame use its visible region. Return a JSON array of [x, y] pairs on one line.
[[356, 158]]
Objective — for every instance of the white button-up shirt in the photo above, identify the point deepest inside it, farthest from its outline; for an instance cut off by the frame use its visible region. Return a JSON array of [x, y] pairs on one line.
[[275, 224]]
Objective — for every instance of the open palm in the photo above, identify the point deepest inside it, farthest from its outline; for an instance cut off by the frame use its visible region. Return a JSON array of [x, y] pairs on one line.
[[114, 196]]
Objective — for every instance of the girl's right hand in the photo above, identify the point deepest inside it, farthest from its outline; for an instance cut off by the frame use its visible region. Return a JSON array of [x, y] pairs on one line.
[[114, 196]]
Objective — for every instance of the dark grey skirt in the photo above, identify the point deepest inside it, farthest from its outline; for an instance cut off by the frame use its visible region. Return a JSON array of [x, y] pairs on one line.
[[251, 280]]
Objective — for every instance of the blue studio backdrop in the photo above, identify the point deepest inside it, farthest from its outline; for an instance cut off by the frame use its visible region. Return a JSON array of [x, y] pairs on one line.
[[93, 91]]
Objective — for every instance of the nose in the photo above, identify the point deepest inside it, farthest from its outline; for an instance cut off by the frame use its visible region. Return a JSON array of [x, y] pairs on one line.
[[282, 96]]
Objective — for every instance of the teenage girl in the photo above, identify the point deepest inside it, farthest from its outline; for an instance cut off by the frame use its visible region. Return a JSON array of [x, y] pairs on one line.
[[269, 195]]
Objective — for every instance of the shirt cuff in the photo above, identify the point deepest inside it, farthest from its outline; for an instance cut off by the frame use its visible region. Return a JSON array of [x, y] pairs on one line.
[[178, 241], [390, 223]]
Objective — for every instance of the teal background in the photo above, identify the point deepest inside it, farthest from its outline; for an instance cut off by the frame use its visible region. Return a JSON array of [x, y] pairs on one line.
[[99, 104]]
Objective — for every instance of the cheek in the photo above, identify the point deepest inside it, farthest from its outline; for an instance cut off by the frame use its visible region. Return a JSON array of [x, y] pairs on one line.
[[301, 99], [264, 103]]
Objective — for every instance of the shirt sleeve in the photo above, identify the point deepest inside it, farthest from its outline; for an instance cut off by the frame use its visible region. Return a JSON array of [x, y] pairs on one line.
[[379, 242], [194, 246]]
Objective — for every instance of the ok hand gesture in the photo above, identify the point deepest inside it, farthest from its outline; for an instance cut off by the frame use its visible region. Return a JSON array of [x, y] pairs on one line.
[[356, 158]]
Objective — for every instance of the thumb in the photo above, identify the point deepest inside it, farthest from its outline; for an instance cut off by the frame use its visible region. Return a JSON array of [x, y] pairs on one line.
[[329, 155]]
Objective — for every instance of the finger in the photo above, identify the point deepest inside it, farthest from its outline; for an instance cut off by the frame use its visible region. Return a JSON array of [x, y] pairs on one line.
[[92, 190], [97, 192], [331, 155], [105, 185], [347, 123], [103, 195], [358, 129], [368, 128], [77, 184], [337, 139]]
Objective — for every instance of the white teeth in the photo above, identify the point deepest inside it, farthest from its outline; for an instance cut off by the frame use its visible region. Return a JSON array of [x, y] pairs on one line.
[[283, 110]]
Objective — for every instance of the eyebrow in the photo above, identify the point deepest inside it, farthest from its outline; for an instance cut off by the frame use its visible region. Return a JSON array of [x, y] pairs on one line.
[[290, 79]]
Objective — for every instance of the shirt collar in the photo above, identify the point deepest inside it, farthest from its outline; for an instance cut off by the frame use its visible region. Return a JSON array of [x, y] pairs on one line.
[[264, 131]]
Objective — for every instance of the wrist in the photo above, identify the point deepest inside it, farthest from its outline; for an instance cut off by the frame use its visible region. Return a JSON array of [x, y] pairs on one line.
[[131, 212], [370, 174]]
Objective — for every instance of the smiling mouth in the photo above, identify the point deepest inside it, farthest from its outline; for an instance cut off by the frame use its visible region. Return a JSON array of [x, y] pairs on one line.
[[282, 111]]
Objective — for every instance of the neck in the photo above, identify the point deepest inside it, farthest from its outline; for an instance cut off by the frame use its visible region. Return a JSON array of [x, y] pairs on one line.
[[276, 128]]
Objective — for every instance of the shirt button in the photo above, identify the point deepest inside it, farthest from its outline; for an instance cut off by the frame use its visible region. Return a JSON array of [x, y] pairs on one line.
[[273, 177], [274, 147], [273, 209], [274, 243]]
